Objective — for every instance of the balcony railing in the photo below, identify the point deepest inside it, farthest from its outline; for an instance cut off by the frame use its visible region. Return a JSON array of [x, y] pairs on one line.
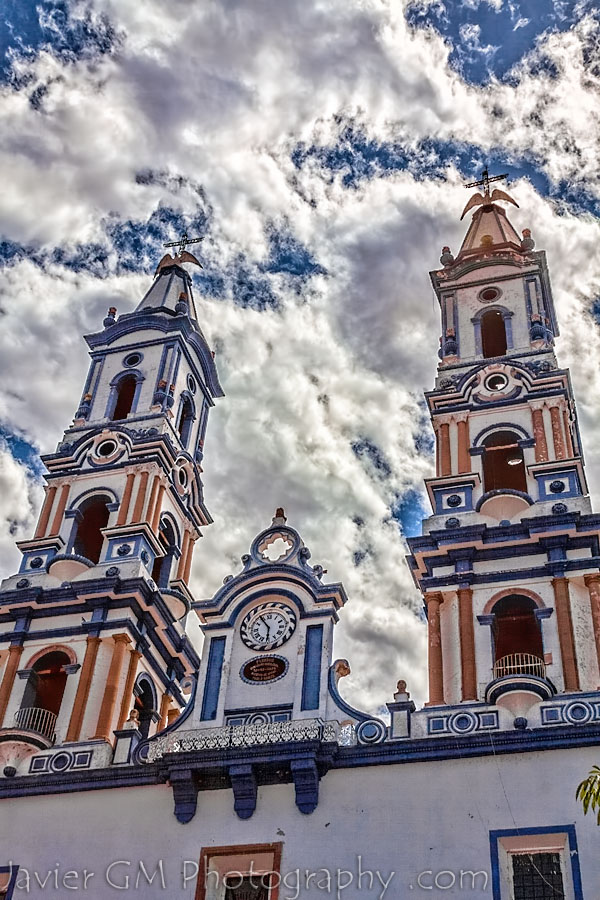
[[42, 721], [520, 664]]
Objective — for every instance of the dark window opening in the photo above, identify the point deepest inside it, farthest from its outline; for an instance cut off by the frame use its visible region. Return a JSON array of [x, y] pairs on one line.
[[161, 570], [503, 463], [186, 419], [89, 538], [46, 684], [125, 396], [144, 704], [537, 876], [516, 629], [247, 888], [493, 334]]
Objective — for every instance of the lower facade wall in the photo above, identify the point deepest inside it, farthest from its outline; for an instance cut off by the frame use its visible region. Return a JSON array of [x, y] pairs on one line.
[[415, 827]]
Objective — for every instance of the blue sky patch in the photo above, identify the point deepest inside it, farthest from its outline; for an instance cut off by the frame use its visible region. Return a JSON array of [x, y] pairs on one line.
[[22, 450], [26, 28], [409, 510], [488, 38]]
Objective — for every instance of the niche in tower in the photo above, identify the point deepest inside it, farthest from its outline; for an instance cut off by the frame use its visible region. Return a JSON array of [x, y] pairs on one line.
[[186, 420], [145, 703], [88, 539], [493, 334], [503, 463]]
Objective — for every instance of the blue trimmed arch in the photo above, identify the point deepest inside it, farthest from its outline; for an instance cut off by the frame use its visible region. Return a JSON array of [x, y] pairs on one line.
[[500, 426]]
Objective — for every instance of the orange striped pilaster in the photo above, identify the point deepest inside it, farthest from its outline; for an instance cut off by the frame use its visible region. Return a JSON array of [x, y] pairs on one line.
[[467, 644], [112, 686], [83, 689], [40, 531], [14, 655], [566, 637], [127, 699], [434, 660], [60, 511], [126, 499]]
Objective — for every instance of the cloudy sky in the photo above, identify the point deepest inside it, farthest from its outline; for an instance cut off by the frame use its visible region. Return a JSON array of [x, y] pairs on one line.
[[320, 147]]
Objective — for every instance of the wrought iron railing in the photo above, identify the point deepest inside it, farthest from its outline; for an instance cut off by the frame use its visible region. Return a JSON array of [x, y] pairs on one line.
[[520, 664], [42, 721]]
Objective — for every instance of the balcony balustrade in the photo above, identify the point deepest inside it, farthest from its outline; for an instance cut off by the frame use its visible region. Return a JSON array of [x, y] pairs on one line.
[[520, 664], [41, 721]]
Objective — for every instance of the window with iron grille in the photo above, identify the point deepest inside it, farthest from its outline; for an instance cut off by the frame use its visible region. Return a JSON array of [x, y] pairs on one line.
[[537, 876], [246, 889]]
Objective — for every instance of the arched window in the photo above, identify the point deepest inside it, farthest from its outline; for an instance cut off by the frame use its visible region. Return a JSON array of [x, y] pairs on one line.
[[503, 463], [516, 629], [89, 537], [124, 398], [44, 693], [145, 703], [493, 334], [161, 571], [186, 420]]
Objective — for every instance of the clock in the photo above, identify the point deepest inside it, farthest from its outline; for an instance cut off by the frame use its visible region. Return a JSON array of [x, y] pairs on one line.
[[268, 626]]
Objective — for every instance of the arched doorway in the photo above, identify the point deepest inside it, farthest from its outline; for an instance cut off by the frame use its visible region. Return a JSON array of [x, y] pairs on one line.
[[493, 334], [43, 693], [503, 463], [518, 645], [89, 538]]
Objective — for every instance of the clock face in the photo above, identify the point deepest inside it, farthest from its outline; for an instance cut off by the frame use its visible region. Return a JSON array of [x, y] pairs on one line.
[[268, 626]]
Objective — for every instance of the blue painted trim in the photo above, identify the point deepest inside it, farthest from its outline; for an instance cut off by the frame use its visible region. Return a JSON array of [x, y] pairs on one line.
[[500, 426], [571, 854], [221, 601], [311, 679], [212, 684]]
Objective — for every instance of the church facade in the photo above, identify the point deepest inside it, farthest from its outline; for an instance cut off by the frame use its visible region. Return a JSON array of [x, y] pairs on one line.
[[162, 746]]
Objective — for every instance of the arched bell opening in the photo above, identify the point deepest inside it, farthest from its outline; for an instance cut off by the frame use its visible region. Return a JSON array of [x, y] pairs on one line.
[[161, 570], [185, 420], [43, 694], [88, 537], [503, 463], [517, 632], [124, 398], [493, 334], [145, 703]]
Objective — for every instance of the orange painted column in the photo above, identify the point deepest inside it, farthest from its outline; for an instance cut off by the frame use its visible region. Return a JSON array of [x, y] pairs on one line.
[[14, 656], [564, 624], [60, 511], [157, 509], [593, 585], [152, 500], [188, 560], [126, 499], [434, 660], [445, 461], [128, 699], [539, 433], [568, 438], [557, 435], [83, 689], [464, 459], [45, 512], [172, 715], [112, 686], [467, 644], [184, 554], [164, 711], [141, 497]]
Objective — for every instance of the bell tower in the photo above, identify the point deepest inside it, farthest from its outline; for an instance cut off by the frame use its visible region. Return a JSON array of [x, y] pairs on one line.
[[508, 562], [94, 623]]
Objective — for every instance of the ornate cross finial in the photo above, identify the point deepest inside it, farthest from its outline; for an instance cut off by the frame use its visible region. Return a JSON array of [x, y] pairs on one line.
[[485, 181], [183, 242]]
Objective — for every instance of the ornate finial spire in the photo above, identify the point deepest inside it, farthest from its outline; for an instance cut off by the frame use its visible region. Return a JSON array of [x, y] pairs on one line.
[[485, 198], [182, 254]]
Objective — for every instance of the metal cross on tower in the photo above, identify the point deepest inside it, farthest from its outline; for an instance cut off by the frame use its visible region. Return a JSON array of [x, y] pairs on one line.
[[485, 181], [183, 242]]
